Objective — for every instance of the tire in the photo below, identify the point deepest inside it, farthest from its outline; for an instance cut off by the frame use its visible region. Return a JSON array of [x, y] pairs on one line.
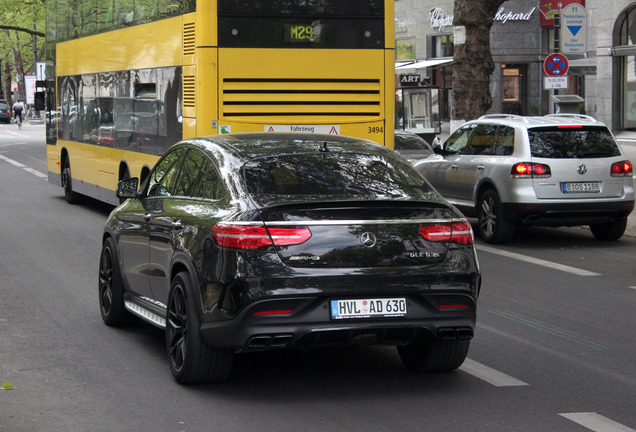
[[67, 183], [438, 356], [111, 288], [610, 231], [192, 360], [493, 225]]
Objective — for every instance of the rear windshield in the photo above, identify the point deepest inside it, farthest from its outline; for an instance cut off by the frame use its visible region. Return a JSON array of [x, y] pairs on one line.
[[572, 142], [4, 105], [337, 175]]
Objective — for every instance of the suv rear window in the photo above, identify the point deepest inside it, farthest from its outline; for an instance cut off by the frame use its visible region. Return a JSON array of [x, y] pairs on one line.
[[4, 106], [559, 142], [335, 175]]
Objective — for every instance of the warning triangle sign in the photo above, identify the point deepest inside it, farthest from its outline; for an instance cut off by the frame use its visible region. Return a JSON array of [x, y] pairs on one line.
[[271, 129], [333, 131]]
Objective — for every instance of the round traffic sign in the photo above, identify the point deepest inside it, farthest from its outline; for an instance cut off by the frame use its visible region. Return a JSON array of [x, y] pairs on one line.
[[556, 65]]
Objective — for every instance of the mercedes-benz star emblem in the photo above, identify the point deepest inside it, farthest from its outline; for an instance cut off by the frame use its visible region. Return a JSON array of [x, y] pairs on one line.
[[367, 239], [582, 169]]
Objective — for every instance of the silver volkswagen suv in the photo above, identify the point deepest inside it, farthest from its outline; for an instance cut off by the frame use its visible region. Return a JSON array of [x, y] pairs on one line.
[[555, 170]]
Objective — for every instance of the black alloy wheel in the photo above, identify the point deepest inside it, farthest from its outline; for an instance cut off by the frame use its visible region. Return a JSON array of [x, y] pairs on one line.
[[111, 289], [493, 225], [192, 360]]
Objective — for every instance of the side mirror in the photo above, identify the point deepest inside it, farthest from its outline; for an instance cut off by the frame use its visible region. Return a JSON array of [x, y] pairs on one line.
[[127, 188]]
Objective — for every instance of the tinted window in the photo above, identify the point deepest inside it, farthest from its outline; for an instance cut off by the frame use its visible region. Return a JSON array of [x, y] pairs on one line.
[[4, 106], [334, 174], [459, 139], [505, 142], [193, 168], [162, 179], [579, 142], [481, 140], [296, 24]]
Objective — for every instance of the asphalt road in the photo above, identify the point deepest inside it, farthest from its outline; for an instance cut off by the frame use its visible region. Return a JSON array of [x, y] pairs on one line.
[[554, 347]]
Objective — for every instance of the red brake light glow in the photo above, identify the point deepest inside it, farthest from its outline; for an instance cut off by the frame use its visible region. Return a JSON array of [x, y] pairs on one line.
[[456, 232], [570, 127], [530, 170], [622, 169], [257, 236]]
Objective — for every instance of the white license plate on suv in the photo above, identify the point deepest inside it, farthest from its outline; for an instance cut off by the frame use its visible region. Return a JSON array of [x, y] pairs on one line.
[[368, 308], [581, 187]]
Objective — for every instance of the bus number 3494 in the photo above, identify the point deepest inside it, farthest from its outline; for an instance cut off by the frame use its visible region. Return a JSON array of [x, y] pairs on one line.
[[376, 129]]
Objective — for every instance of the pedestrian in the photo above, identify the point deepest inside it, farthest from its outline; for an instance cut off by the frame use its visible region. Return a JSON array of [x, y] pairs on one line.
[[18, 107]]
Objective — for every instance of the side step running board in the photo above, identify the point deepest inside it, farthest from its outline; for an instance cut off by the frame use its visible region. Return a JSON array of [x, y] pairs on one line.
[[145, 314]]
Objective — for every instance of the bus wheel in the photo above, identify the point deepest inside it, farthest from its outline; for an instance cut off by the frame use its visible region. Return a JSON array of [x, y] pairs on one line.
[[67, 184]]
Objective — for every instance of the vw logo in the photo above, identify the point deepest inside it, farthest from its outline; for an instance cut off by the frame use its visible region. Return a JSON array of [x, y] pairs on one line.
[[582, 169], [367, 239]]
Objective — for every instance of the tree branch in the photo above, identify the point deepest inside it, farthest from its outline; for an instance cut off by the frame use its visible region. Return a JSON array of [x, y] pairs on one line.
[[22, 29]]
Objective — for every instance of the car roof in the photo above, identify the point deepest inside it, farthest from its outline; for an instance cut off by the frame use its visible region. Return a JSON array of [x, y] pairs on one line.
[[539, 121], [247, 146]]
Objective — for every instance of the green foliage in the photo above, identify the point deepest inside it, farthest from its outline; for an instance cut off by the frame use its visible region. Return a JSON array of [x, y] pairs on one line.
[[16, 46], [6, 386]]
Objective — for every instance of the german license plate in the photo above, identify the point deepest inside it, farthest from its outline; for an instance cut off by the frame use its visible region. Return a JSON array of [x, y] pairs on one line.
[[581, 187], [368, 308]]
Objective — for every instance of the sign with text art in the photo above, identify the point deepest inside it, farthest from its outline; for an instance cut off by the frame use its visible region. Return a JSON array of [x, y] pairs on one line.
[[548, 8]]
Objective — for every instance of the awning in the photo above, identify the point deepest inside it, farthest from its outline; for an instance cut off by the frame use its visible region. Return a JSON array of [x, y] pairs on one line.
[[422, 64]]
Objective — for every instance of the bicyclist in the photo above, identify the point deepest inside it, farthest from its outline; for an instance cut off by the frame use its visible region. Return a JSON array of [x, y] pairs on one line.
[[18, 107]]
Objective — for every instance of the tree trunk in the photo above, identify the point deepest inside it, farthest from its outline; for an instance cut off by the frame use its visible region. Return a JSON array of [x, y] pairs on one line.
[[472, 62], [6, 81], [18, 69]]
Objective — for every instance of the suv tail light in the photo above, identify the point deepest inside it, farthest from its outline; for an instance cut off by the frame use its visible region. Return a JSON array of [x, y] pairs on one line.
[[530, 170], [622, 169], [257, 236], [456, 232]]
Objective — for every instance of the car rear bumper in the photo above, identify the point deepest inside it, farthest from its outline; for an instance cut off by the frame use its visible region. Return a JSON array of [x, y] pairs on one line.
[[308, 323], [567, 214]]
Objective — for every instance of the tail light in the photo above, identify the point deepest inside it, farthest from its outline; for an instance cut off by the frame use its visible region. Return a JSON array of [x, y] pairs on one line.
[[622, 169], [455, 232], [530, 170], [257, 236]]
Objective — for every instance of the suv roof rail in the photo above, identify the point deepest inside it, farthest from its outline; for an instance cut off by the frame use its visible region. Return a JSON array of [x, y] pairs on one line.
[[504, 116], [573, 116]]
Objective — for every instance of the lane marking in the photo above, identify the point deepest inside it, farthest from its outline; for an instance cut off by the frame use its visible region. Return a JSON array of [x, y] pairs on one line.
[[35, 172], [537, 261], [548, 328], [491, 376], [24, 167], [596, 422]]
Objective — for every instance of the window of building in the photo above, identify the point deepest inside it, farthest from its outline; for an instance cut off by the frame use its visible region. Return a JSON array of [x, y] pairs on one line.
[[405, 49], [442, 46], [627, 94]]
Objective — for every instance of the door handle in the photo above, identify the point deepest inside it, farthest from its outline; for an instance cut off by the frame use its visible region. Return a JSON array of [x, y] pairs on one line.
[[176, 224], [455, 167], [480, 168], [147, 217]]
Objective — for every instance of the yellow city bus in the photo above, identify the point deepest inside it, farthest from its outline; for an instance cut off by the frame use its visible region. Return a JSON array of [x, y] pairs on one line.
[[128, 78]]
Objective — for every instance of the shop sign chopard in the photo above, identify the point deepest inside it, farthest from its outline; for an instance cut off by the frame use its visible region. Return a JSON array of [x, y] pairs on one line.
[[513, 16], [438, 20]]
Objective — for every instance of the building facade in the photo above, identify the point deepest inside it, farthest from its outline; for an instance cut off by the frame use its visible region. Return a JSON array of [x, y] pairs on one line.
[[601, 76]]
